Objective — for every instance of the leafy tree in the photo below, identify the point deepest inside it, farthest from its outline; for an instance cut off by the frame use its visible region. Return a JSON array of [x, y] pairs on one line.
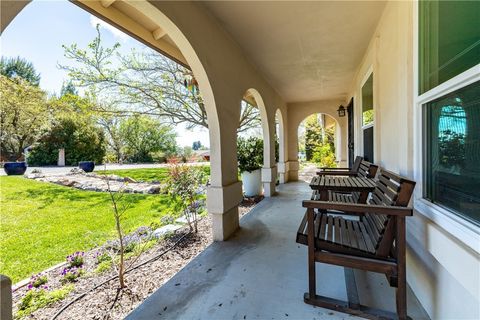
[[68, 88], [81, 141], [111, 126], [324, 155], [79, 136], [319, 142], [74, 129], [451, 147], [144, 135], [313, 135], [23, 116], [196, 145], [142, 83], [19, 68]]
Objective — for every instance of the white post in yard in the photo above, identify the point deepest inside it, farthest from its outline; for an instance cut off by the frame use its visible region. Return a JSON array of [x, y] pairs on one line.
[[61, 158]]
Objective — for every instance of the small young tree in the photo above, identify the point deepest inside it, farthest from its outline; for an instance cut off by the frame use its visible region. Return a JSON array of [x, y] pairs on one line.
[[184, 184], [118, 209]]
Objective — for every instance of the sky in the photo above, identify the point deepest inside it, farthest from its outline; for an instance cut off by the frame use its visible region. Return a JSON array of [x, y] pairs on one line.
[[42, 27]]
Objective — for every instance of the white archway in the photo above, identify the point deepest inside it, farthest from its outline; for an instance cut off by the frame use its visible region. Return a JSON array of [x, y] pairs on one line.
[[282, 152], [337, 133], [269, 165]]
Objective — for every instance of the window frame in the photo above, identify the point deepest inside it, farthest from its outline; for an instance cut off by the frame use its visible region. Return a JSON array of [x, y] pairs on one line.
[[459, 227], [370, 72]]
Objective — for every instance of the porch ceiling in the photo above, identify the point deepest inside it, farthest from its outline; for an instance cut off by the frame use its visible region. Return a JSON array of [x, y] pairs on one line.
[[306, 50]]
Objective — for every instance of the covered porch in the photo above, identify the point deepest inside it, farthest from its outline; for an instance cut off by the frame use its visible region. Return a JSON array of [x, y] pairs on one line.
[[291, 60], [261, 273]]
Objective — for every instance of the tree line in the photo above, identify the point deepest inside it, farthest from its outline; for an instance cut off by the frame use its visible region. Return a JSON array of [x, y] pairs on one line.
[[126, 112]]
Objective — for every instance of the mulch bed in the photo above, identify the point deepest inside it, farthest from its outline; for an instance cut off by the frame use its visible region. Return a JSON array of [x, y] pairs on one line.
[[103, 302]]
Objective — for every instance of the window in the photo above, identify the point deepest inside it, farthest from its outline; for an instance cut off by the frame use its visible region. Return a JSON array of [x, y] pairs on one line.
[[449, 36], [452, 157], [449, 44], [367, 118]]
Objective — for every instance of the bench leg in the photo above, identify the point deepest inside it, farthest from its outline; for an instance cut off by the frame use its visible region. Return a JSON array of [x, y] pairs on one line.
[[311, 252], [401, 277]]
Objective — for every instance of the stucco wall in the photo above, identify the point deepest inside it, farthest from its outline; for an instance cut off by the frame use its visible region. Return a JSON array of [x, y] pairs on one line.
[[442, 270]]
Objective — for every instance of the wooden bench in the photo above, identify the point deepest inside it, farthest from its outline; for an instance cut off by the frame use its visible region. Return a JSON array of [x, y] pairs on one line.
[[360, 168], [374, 243]]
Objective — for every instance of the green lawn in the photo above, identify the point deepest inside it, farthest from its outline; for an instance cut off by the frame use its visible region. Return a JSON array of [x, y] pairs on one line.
[[40, 223], [158, 174]]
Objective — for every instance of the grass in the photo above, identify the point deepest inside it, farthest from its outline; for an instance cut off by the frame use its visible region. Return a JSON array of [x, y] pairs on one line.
[[40, 223], [158, 174]]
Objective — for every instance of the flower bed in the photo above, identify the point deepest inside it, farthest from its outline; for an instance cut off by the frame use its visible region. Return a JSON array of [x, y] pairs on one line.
[[49, 292]]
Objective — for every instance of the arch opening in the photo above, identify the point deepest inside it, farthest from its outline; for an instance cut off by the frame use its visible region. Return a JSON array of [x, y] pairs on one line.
[[259, 129], [317, 143]]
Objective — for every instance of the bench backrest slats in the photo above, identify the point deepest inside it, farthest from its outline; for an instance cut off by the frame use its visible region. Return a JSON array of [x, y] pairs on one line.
[[356, 164], [367, 170], [391, 190]]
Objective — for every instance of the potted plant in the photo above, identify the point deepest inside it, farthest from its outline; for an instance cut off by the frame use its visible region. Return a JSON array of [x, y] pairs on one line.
[[15, 168], [250, 161], [86, 166]]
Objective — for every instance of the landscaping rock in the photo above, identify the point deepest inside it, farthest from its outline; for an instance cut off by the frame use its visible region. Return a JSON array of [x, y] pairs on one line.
[[169, 228], [154, 190], [181, 220], [77, 171], [77, 178], [129, 180], [34, 175]]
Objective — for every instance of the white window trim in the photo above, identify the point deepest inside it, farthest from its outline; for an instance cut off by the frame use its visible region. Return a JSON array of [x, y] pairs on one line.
[[369, 72], [368, 125], [460, 228]]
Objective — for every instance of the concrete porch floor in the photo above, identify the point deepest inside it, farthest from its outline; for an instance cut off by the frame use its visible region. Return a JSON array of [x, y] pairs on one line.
[[261, 273]]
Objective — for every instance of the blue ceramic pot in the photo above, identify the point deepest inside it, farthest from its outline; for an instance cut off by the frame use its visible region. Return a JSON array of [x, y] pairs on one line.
[[15, 168], [86, 166]]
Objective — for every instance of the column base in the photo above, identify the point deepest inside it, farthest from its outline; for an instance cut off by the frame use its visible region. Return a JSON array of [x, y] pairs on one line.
[[293, 167], [269, 179], [224, 224], [282, 172], [222, 205]]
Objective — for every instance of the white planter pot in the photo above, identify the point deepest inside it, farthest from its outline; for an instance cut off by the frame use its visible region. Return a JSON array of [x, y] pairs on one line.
[[252, 183]]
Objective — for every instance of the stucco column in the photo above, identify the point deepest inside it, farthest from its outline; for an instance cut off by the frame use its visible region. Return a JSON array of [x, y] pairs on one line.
[[282, 168], [5, 298], [293, 167], [222, 205], [269, 179], [225, 192]]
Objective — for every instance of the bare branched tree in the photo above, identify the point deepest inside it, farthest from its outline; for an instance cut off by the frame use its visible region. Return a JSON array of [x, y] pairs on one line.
[[142, 82]]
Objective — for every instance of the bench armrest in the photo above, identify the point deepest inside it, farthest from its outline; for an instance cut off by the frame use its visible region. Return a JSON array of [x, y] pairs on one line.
[[359, 208], [336, 173], [333, 169]]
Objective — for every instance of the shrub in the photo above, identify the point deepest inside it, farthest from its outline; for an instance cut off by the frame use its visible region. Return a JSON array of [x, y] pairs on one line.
[[39, 298], [71, 274], [324, 156], [184, 185], [81, 139], [249, 154], [38, 281], [76, 259], [103, 266]]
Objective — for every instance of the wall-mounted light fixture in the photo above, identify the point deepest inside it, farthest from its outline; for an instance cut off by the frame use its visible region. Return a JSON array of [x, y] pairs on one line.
[[341, 111]]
